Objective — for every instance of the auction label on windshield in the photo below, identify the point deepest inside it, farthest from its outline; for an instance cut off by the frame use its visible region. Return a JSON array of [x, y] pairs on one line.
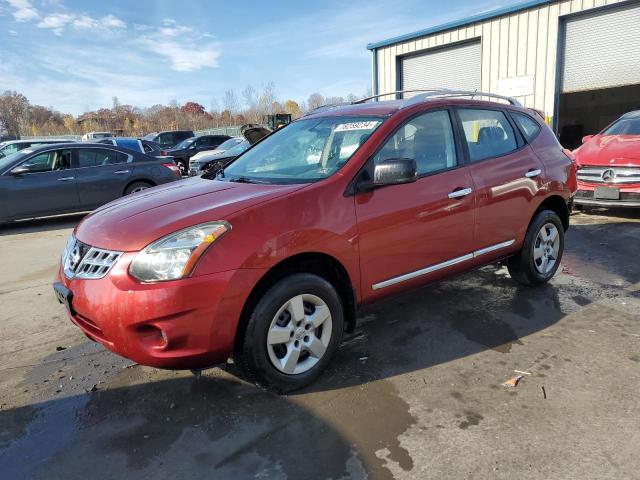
[[344, 127]]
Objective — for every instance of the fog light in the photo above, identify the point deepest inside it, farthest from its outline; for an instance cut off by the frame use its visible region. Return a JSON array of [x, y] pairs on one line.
[[153, 337]]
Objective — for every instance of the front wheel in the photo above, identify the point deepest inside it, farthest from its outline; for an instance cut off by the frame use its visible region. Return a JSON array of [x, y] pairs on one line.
[[539, 258], [292, 333]]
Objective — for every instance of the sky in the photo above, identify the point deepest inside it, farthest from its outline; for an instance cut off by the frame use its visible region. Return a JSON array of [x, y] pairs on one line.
[[76, 56]]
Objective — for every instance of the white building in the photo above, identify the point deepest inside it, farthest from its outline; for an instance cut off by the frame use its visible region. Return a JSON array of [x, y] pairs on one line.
[[576, 60]]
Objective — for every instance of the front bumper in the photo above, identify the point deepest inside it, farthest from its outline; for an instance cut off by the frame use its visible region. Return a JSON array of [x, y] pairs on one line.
[[629, 196], [188, 323]]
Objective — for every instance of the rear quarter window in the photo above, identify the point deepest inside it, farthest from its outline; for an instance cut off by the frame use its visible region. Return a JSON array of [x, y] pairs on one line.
[[530, 128]]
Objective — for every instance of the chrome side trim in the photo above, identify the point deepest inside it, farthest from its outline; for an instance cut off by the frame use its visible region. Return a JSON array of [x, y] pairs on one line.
[[424, 271], [440, 266], [493, 248]]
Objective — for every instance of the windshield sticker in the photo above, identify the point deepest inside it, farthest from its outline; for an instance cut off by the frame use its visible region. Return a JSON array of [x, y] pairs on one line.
[[345, 127]]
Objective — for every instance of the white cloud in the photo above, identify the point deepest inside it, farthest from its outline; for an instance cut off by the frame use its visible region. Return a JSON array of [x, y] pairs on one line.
[[186, 49], [23, 11], [55, 22], [84, 21], [111, 21]]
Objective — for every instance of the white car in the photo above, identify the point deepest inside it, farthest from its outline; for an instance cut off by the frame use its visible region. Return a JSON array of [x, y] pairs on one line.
[[224, 146], [91, 136]]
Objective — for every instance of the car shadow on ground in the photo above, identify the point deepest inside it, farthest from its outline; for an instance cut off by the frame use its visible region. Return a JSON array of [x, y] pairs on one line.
[[40, 224]]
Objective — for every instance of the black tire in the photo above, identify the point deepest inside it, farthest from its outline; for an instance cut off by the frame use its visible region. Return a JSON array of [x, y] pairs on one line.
[[251, 354], [136, 187], [522, 266]]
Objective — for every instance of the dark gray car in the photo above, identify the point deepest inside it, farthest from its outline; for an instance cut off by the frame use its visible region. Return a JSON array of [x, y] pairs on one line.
[[74, 177]]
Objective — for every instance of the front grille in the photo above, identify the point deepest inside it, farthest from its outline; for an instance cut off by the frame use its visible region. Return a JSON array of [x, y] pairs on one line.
[[80, 260], [609, 175], [624, 196]]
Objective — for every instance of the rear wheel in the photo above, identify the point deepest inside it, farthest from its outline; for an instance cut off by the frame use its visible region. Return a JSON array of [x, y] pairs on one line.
[[292, 333], [137, 187], [539, 258]]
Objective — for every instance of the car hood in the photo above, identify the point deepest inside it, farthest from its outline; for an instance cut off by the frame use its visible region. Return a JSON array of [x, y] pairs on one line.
[[132, 222], [621, 150]]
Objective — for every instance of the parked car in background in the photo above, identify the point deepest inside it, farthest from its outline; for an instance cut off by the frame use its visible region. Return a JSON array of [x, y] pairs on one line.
[[224, 146], [139, 145], [170, 138], [182, 152], [267, 261], [609, 165], [91, 136], [215, 161], [74, 177], [13, 146]]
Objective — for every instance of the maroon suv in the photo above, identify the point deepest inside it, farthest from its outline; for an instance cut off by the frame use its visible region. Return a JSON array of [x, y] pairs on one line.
[[267, 260]]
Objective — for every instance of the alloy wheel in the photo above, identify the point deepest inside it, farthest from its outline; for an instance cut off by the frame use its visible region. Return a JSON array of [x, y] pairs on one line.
[[299, 334], [546, 248]]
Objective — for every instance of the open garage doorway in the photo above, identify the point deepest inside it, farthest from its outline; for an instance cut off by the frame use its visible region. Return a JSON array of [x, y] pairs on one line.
[[587, 113], [599, 70]]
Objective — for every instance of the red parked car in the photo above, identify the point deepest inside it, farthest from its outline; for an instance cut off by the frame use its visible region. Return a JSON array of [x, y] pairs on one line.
[[609, 165], [267, 261]]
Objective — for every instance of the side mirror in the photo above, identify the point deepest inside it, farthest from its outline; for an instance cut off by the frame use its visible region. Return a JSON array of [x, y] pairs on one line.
[[395, 171], [19, 170], [586, 138]]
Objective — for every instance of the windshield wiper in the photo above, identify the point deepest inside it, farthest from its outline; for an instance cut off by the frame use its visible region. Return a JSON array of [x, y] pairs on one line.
[[243, 180]]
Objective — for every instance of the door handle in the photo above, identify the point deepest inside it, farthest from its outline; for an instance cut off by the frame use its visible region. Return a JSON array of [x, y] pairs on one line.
[[533, 173], [462, 192], [121, 172], [66, 179]]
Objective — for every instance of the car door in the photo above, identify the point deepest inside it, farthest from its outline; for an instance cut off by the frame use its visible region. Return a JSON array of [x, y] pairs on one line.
[[417, 231], [506, 174], [103, 175], [47, 186]]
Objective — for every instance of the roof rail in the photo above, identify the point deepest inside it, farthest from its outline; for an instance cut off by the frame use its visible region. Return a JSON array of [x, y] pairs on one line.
[[366, 99], [439, 93], [325, 107]]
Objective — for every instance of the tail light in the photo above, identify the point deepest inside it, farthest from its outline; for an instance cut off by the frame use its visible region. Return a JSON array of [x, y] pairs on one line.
[[173, 167]]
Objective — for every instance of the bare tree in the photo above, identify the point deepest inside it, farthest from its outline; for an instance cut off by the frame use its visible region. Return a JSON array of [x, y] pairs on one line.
[[314, 101], [230, 101], [14, 109]]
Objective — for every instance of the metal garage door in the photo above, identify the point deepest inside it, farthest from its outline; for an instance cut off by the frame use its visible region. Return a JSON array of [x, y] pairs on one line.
[[456, 68], [602, 50]]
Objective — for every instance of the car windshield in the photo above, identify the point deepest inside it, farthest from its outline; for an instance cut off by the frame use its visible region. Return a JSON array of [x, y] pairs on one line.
[[185, 143], [150, 136], [227, 144], [304, 151], [238, 149], [624, 126]]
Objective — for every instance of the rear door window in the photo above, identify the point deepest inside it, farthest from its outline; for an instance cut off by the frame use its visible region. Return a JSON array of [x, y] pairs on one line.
[[86, 158], [110, 157], [487, 133]]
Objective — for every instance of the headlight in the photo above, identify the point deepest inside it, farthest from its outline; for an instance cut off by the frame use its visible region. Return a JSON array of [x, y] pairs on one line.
[[175, 256]]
